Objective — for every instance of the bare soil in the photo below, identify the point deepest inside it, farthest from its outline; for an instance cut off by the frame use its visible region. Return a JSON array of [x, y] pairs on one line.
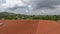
[[29, 27]]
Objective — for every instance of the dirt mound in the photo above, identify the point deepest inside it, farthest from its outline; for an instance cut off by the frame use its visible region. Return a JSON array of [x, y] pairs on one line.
[[29, 27]]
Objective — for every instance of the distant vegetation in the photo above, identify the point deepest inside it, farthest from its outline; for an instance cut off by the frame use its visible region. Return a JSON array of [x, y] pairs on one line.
[[6, 15]]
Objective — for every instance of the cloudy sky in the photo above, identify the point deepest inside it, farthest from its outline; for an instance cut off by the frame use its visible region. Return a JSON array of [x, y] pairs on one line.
[[31, 7]]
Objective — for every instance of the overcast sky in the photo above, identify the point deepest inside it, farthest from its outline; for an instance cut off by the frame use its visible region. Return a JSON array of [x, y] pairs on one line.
[[30, 7]]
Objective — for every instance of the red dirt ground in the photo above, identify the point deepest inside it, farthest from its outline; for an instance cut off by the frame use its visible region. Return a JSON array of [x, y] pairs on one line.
[[29, 27]]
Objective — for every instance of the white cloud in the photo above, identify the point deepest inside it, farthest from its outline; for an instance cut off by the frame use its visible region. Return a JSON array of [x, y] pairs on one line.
[[12, 3]]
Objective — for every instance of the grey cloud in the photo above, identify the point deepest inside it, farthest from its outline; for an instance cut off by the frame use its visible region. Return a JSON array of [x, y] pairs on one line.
[[38, 4], [18, 7], [2, 1], [40, 7]]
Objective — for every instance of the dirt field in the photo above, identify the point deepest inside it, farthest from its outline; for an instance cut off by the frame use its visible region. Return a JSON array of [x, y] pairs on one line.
[[29, 27]]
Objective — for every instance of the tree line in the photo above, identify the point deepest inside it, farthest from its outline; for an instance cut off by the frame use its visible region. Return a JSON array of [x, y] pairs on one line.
[[6, 15]]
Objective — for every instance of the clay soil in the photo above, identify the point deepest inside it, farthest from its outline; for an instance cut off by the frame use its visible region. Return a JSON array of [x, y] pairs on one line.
[[29, 27]]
